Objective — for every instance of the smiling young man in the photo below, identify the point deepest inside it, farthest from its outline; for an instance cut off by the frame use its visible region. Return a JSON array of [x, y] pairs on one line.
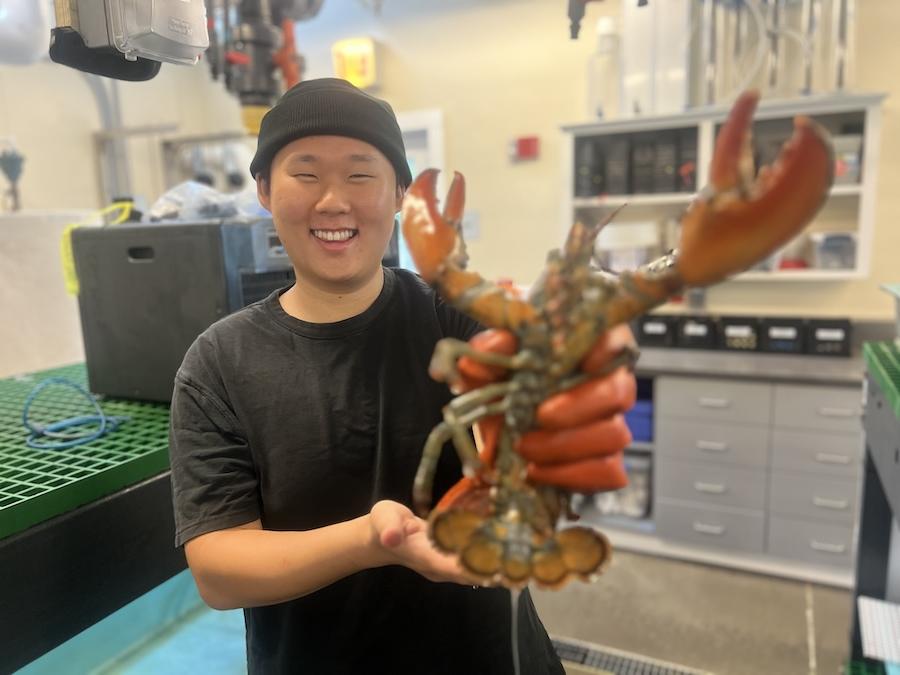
[[298, 423]]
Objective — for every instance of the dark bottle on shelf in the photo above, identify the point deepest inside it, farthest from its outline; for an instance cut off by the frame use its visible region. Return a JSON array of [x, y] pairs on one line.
[[589, 168], [616, 156], [643, 164], [687, 161], [665, 175]]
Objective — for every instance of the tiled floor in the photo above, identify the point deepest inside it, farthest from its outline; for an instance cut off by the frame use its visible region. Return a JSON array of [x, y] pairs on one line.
[[726, 622], [711, 619]]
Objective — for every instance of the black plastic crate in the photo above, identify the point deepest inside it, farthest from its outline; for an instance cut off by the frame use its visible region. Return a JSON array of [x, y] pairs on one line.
[[697, 332], [739, 333], [829, 337], [783, 336]]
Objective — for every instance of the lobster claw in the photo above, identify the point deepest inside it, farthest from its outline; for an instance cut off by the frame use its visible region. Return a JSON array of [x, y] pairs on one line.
[[432, 236], [736, 221]]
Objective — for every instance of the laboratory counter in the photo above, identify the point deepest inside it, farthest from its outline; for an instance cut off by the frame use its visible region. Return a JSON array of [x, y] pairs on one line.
[[797, 369]]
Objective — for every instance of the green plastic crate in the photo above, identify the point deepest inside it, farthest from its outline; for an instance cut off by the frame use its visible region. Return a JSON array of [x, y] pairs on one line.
[[883, 362], [36, 485]]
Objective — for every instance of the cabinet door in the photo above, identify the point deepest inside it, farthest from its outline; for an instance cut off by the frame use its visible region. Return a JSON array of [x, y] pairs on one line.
[[710, 527], [717, 485], [816, 543], [835, 454], [818, 408], [712, 400], [712, 442], [812, 496]]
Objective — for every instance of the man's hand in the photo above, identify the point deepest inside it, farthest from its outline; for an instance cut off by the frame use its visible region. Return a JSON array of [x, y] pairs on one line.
[[581, 433], [402, 539]]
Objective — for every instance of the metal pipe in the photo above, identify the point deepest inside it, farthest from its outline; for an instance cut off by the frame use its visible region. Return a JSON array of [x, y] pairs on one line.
[[114, 178]]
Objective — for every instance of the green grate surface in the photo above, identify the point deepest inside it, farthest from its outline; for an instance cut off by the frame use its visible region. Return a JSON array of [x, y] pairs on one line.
[[863, 668], [883, 362], [36, 485]]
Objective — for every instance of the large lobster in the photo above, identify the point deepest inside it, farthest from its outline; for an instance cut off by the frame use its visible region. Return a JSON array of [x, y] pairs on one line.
[[502, 527]]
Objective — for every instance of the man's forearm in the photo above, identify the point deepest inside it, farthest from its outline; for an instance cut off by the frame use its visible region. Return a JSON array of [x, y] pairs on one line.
[[253, 567]]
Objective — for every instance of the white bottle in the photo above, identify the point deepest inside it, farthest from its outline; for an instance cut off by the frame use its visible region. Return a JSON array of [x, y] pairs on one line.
[[604, 72]]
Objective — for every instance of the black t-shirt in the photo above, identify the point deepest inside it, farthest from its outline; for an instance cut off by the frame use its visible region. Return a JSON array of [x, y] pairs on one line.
[[305, 425]]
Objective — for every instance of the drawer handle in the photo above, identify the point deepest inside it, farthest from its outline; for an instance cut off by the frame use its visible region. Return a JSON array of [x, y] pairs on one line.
[[838, 412], [836, 504], [830, 458], [706, 528], [711, 488], [712, 446], [825, 547], [712, 402]]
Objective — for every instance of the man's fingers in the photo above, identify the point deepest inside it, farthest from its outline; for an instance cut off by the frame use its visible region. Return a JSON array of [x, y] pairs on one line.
[[607, 347], [592, 400], [390, 522], [601, 438], [590, 475]]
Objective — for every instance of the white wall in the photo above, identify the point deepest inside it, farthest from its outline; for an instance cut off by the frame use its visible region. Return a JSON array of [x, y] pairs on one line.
[[51, 114]]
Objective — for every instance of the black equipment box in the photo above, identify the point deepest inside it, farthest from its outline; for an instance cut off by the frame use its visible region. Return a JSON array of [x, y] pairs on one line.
[[828, 337], [738, 333], [697, 332], [652, 330], [148, 290], [783, 336]]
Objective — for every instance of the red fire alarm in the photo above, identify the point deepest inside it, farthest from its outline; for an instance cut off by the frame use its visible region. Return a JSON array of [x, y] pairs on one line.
[[524, 148]]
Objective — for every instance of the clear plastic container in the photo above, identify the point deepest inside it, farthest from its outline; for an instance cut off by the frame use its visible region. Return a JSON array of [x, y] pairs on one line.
[[604, 67], [834, 250], [626, 246], [173, 31]]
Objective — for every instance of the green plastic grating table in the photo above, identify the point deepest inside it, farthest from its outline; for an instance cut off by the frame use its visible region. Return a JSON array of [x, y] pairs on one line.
[[863, 668], [36, 485], [883, 361]]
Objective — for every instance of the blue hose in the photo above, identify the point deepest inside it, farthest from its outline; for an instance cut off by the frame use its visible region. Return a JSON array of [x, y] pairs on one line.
[[64, 434]]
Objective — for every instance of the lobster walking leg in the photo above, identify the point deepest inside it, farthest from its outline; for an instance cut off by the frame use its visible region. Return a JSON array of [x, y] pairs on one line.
[[459, 416]]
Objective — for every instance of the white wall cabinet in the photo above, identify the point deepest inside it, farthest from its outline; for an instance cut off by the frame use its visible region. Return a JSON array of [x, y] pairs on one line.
[[656, 164]]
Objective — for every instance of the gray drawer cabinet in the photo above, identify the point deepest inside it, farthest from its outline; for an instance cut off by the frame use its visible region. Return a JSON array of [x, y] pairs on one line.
[[817, 450], [760, 467], [712, 454]]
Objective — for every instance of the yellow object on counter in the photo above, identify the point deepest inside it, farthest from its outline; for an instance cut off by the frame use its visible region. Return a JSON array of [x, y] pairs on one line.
[[114, 214]]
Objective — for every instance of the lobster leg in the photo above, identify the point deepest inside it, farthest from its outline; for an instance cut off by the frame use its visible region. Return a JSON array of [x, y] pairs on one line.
[[459, 415], [448, 351]]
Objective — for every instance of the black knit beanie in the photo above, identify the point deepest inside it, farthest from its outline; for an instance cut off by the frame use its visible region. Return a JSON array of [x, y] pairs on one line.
[[330, 107]]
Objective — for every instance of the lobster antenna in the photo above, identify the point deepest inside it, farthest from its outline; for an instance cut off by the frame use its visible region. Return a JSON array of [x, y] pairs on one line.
[[609, 218]]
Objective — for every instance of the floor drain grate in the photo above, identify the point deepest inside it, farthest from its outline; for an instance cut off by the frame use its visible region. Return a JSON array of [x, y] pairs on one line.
[[616, 661]]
